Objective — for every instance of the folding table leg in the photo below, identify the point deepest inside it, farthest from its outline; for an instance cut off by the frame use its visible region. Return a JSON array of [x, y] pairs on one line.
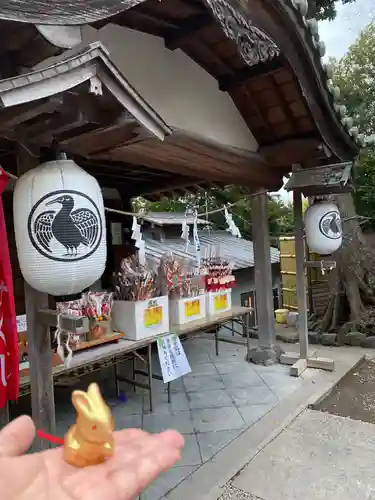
[[169, 392], [117, 382], [134, 373], [149, 363]]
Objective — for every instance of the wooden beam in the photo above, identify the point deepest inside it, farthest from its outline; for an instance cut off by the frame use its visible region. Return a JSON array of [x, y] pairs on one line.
[[207, 161], [300, 274], [151, 15], [176, 38], [101, 140], [290, 151], [228, 82], [11, 117], [4, 416], [182, 184], [195, 4], [46, 131]]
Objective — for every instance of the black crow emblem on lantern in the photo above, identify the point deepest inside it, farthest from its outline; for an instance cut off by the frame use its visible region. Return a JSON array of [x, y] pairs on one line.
[[330, 225], [78, 230]]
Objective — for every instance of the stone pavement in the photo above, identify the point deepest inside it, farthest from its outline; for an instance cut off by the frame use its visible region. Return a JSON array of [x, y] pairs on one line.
[[212, 406], [318, 456]]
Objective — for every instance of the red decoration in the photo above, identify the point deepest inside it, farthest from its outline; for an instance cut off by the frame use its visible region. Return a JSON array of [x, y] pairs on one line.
[[49, 437], [9, 357]]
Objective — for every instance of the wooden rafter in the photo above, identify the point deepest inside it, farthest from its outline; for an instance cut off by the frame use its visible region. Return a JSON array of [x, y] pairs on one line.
[[14, 116], [187, 28], [284, 105], [243, 75]]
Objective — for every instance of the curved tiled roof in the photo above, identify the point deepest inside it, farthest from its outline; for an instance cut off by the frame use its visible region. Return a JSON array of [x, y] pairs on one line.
[[312, 28], [63, 12], [246, 24], [239, 251]]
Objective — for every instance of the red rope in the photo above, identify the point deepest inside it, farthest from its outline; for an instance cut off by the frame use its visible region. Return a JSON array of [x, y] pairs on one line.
[[49, 437]]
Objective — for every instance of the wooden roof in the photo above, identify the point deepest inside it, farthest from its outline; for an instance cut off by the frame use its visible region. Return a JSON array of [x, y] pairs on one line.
[[64, 12], [85, 107], [266, 55]]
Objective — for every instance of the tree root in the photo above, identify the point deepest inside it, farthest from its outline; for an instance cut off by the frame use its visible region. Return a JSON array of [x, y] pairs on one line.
[[351, 305]]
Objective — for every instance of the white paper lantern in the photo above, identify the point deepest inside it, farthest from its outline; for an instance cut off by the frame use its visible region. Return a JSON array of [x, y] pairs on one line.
[[59, 224], [323, 228]]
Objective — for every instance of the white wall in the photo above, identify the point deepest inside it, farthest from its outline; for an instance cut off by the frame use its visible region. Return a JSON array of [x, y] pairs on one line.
[[179, 90]]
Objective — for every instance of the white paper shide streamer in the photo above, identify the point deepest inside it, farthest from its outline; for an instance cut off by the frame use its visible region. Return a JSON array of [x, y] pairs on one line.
[[139, 241], [197, 243], [232, 228], [60, 348], [185, 232]]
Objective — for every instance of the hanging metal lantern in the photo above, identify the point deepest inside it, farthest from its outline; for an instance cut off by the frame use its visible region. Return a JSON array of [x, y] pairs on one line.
[[59, 225], [323, 228]]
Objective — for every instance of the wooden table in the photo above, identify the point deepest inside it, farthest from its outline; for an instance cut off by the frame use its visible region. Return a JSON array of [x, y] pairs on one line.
[[94, 359]]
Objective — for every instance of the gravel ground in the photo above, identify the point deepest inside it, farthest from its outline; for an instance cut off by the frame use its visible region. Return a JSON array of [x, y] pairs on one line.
[[232, 493], [354, 396]]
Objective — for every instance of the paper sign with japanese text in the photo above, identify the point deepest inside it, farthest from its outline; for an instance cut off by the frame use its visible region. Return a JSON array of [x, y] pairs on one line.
[[173, 361], [21, 323]]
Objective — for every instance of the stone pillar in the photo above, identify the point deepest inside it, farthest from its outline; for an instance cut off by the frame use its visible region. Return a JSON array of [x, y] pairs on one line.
[[265, 353]]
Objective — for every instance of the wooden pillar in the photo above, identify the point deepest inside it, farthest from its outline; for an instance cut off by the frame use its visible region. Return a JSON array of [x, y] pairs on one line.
[[39, 342], [4, 416], [300, 274], [265, 353], [40, 359]]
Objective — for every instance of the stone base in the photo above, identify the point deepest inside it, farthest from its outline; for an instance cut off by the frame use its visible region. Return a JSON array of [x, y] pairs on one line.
[[264, 355]]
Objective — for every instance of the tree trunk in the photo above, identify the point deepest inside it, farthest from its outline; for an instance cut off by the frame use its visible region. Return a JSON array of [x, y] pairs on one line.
[[352, 283]]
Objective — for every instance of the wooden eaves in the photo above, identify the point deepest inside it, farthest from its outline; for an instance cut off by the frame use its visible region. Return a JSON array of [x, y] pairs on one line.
[[85, 107], [269, 60], [268, 57]]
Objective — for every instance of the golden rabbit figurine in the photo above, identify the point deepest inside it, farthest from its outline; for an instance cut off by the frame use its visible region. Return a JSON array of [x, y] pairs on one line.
[[90, 441]]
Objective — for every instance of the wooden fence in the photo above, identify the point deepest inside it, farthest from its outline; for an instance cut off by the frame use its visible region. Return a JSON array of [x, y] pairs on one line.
[[316, 283]]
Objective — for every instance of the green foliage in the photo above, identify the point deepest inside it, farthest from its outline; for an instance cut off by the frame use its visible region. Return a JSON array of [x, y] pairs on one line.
[[280, 214], [365, 190], [355, 75], [324, 9]]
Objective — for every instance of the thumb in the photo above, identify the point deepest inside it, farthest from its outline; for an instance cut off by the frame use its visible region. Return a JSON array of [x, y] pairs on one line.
[[16, 437]]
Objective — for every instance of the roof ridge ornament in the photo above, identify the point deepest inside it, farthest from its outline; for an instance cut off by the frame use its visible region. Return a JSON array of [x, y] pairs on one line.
[[254, 45]]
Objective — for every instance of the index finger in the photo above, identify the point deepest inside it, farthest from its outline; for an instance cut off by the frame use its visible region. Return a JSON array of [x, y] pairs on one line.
[[16, 437]]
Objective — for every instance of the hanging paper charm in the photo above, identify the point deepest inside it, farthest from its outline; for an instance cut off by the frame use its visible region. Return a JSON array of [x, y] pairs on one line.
[[185, 232], [59, 226], [139, 241], [196, 240], [232, 228]]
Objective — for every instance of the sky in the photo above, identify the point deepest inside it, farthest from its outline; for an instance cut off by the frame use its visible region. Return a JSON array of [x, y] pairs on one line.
[[350, 20], [342, 32]]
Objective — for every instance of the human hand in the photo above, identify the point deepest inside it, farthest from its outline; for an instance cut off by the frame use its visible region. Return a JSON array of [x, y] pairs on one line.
[[138, 459]]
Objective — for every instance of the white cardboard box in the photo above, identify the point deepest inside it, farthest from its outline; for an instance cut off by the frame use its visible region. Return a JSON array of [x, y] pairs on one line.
[[219, 302], [182, 311], [142, 319]]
